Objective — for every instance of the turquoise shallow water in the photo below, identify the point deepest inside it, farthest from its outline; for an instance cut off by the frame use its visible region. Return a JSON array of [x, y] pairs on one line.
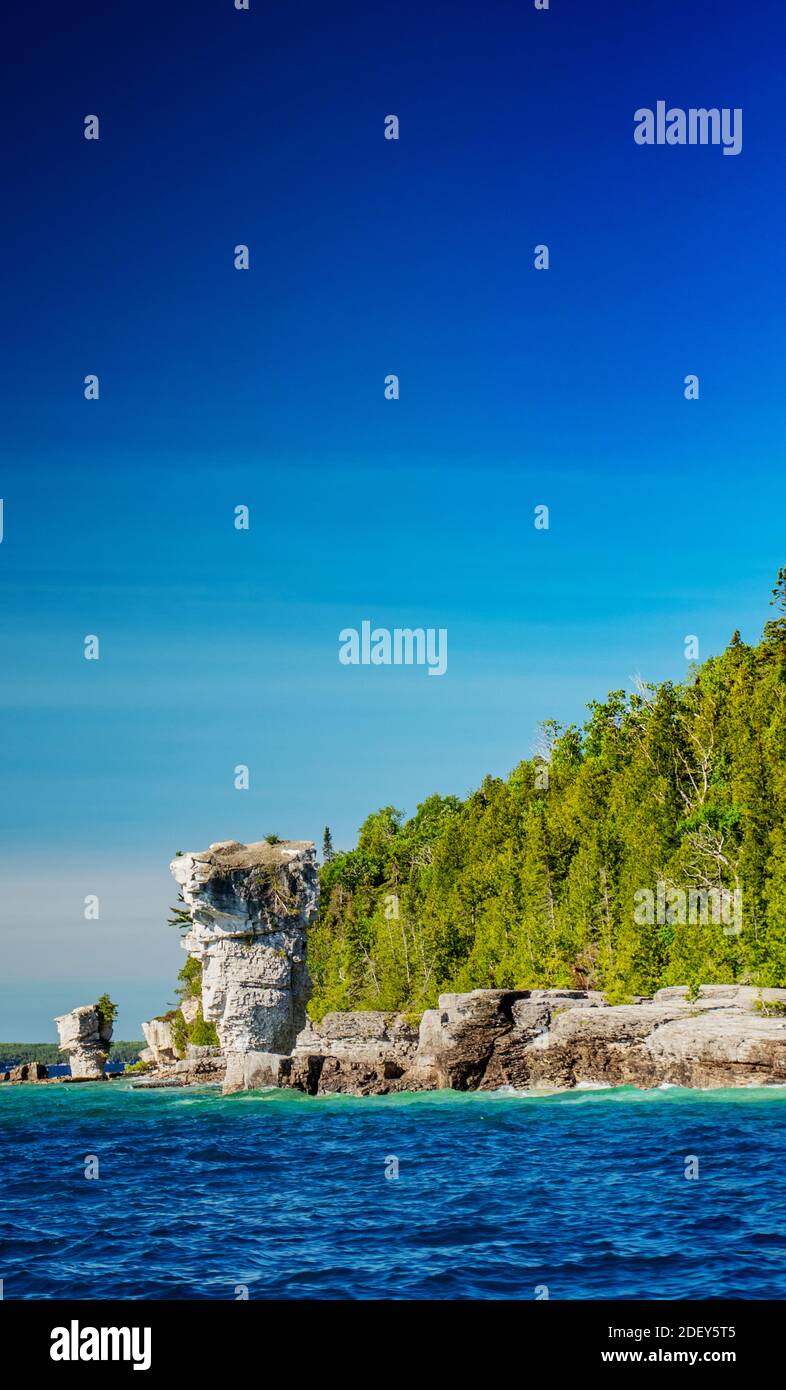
[[497, 1194]]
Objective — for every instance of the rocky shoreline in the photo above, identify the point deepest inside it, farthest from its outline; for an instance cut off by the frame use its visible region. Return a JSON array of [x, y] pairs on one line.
[[730, 1035], [249, 909], [251, 906]]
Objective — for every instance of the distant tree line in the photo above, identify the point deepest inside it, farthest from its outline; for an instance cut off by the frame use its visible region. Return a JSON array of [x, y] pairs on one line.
[[50, 1054]]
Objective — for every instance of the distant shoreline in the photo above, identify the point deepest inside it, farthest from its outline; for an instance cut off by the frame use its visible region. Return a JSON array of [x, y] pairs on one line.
[[13, 1054]]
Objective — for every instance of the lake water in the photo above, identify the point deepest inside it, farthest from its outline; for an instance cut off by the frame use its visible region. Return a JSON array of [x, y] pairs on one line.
[[497, 1195], [63, 1068]]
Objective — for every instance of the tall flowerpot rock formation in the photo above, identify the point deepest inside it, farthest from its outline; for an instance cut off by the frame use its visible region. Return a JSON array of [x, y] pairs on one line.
[[250, 907]]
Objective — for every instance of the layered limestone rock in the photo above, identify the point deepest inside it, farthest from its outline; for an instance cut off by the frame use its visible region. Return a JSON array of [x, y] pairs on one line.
[[167, 1067], [26, 1071], [355, 1053], [250, 908], [190, 1009], [256, 1071], [730, 1035], [352, 1053], [476, 1040], [85, 1036], [160, 1048], [201, 1066]]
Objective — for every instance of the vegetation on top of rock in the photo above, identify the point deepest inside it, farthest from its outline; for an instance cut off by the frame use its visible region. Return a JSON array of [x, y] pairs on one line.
[[107, 1013], [106, 1009], [534, 880]]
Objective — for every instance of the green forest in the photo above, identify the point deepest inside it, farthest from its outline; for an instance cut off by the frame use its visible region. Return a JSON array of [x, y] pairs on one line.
[[539, 879]]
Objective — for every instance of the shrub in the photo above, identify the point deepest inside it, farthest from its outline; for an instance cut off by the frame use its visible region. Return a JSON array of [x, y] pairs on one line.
[[202, 1034]]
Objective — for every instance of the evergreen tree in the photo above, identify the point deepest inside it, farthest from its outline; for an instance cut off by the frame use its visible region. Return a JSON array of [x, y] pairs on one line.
[[179, 916], [775, 629]]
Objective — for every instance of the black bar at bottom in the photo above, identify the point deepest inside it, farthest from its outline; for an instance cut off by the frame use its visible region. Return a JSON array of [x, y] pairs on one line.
[[367, 1339]]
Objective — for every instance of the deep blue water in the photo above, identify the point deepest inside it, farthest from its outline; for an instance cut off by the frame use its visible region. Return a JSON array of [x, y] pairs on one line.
[[497, 1194], [63, 1068]]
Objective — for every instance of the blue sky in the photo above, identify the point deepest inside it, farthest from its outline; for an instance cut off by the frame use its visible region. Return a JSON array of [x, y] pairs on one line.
[[265, 388]]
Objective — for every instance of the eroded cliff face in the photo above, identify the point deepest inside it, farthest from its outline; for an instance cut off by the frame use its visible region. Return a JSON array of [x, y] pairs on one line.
[[160, 1048], [731, 1035], [540, 1039], [250, 907]]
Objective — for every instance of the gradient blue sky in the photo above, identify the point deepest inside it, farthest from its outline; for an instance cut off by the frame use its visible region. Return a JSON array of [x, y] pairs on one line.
[[266, 388]]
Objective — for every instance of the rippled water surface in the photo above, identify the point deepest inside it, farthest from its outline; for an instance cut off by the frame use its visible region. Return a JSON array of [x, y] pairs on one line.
[[497, 1194]]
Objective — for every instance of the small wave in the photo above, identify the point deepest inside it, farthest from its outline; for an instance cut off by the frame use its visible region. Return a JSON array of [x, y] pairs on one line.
[[290, 1194]]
